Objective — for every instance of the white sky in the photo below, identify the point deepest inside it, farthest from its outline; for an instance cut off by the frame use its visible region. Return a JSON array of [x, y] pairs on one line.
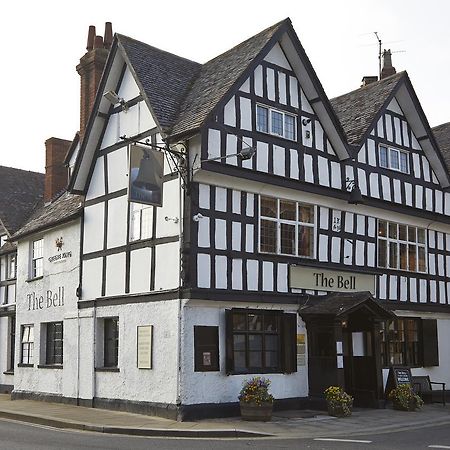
[[42, 41]]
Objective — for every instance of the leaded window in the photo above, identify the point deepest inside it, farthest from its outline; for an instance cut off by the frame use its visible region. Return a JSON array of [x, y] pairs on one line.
[[286, 227], [54, 344], [393, 158], [279, 123], [401, 247]]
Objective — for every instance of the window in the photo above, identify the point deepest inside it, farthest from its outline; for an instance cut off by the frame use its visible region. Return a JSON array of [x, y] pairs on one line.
[[392, 158], [275, 122], [206, 345], [260, 341], [37, 258], [141, 221], [400, 343], [401, 247], [11, 266], [27, 344], [12, 342], [54, 347], [286, 227], [111, 343]]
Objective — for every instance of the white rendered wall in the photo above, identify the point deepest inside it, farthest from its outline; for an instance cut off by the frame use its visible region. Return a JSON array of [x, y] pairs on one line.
[[217, 387], [64, 274], [130, 383]]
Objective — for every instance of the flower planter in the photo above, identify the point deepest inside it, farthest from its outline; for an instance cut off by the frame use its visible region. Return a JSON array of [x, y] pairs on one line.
[[411, 406], [256, 412], [339, 410]]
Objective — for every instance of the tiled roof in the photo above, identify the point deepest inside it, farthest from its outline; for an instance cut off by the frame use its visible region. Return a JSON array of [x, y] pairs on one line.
[[63, 209], [216, 78], [182, 92], [340, 304], [165, 77], [20, 192], [356, 110], [442, 136]]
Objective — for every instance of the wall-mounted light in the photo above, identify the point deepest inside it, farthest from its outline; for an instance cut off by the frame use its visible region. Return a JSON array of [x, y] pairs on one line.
[[114, 99], [355, 196], [306, 121], [245, 154], [173, 219]]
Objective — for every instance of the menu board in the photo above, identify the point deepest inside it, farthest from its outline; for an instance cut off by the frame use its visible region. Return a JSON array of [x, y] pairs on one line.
[[396, 377], [144, 347]]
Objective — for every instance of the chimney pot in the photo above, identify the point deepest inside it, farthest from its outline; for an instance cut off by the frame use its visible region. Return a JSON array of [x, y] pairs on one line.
[[107, 40], [368, 79], [388, 69], [98, 42], [91, 37]]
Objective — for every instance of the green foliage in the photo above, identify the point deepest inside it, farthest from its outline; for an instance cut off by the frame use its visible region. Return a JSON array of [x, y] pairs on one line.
[[256, 390], [337, 398], [405, 398]]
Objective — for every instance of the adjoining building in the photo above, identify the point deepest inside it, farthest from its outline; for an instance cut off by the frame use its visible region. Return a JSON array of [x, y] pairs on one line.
[[237, 222], [21, 191]]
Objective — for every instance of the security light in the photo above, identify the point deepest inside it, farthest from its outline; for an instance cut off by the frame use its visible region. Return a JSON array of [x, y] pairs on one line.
[[114, 99]]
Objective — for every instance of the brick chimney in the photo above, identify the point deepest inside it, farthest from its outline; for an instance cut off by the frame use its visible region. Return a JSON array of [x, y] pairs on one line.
[[387, 69], [90, 70], [56, 174], [368, 79]]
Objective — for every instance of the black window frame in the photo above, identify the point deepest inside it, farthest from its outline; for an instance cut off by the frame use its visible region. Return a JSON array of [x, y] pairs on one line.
[[286, 348], [12, 343], [111, 339], [54, 345], [411, 351]]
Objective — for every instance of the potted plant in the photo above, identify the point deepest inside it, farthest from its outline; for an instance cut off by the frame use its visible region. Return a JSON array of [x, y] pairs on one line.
[[255, 400], [404, 399], [338, 401]]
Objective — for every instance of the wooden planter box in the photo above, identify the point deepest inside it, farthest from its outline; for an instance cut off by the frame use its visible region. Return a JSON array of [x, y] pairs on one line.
[[252, 411], [338, 411]]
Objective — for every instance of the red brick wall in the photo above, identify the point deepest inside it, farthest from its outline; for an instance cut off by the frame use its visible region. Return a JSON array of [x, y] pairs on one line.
[[56, 174]]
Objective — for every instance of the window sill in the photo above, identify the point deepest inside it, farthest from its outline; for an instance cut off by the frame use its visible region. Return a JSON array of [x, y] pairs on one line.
[[50, 366], [8, 372], [107, 369], [34, 279], [255, 372], [25, 365]]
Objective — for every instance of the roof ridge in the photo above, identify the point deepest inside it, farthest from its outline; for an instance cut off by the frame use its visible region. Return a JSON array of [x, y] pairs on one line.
[[123, 36], [234, 48], [372, 85], [22, 170]]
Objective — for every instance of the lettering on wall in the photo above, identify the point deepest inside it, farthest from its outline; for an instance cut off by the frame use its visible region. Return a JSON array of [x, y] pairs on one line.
[[51, 299]]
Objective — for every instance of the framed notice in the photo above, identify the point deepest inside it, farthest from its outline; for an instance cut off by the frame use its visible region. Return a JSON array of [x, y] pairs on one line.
[[144, 346]]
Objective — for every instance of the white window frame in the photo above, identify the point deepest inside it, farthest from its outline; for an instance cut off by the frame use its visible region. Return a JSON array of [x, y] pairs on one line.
[[295, 222], [399, 241], [137, 218], [390, 149], [27, 341], [269, 120], [8, 274], [35, 273]]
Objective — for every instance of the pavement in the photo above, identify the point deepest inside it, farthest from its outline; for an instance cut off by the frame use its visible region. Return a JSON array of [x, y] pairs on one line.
[[284, 424]]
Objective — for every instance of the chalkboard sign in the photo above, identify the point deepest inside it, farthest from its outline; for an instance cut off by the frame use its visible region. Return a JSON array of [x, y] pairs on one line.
[[396, 377]]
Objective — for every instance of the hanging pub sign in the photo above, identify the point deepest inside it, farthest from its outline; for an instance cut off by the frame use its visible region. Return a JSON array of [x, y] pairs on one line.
[[146, 175]]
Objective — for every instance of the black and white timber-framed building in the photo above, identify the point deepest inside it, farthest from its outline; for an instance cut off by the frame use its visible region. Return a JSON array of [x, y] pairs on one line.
[[260, 265]]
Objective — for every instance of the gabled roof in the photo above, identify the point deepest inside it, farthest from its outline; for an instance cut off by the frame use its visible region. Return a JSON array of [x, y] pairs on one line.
[[164, 78], [217, 77], [64, 209], [340, 305], [442, 136], [20, 192], [357, 110]]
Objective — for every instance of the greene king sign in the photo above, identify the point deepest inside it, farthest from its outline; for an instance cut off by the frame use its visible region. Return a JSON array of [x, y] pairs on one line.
[[317, 279]]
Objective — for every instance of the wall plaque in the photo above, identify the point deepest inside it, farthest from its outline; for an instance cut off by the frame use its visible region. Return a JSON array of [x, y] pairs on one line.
[[144, 346], [311, 278]]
